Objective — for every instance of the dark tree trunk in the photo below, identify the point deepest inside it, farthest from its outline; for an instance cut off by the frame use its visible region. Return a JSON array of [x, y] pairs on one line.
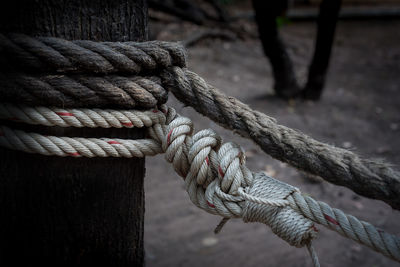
[[183, 9], [327, 19], [73, 211], [266, 13]]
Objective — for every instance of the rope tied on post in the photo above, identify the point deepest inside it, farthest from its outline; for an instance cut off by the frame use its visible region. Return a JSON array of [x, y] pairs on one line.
[[134, 75], [370, 178], [215, 174]]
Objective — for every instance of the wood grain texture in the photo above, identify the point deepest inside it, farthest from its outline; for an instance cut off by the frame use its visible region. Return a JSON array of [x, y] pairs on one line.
[[95, 20], [69, 211]]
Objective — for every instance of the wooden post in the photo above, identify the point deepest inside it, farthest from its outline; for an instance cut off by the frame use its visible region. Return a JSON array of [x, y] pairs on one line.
[[72, 211]]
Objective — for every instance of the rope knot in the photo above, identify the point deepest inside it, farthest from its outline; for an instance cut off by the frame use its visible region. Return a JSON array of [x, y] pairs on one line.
[[175, 142], [265, 203], [230, 169], [229, 175], [202, 156]]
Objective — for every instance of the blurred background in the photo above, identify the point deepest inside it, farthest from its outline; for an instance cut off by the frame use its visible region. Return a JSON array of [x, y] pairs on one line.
[[346, 95]]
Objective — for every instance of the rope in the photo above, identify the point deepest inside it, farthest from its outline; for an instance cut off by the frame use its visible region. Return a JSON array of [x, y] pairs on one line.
[[373, 179], [313, 255], [76, 146], [215, 174], [102, 74], [62, 56], [80, 117], [346, 225], [82, 91]]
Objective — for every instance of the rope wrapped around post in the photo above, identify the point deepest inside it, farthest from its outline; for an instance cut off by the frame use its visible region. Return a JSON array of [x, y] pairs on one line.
[[371, 178], [79, 75], [83, 90], [49, 54], [215, 174]]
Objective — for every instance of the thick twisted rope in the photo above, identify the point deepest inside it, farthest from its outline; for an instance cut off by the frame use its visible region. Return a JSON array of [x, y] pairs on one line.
[[215, 176], [82, 91], [91, 118], [76, 146], [61, 56], [373, 179], [366, 177], [346, 225]]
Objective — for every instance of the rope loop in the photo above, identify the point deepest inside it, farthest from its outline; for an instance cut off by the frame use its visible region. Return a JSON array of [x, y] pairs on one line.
[[202, 154], [78, 77], [215, 174]]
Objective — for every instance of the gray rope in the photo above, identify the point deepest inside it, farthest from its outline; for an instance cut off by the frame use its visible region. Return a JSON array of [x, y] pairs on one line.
[[39, 54], [369, 178], [215, 174], [82, 91], [373, 179], [346, 225]]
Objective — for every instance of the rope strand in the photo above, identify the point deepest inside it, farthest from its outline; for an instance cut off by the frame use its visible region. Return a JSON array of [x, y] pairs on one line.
[[215, 174], [82, 56], [82, 91], [81, 117], [373, 179]]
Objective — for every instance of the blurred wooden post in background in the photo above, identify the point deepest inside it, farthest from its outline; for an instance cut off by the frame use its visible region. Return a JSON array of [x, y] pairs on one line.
[[72, 211]]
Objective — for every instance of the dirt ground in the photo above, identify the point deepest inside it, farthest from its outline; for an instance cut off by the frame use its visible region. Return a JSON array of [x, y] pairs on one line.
[[360, 110]]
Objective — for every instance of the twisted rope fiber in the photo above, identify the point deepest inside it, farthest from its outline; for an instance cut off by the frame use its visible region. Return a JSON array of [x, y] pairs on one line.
[[369, 178], [373, 179], [76, 146], [65, 57], [83, 91], [346, 225], [216, 178], [38, 54], [91, 118]]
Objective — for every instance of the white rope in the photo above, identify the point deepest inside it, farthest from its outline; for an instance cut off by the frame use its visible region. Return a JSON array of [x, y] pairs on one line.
[[313, 255], [81, 117], [346, 225], [215, 174], [76, 146]]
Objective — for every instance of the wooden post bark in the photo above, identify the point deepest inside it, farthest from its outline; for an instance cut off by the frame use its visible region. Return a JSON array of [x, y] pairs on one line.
[[72, 211]]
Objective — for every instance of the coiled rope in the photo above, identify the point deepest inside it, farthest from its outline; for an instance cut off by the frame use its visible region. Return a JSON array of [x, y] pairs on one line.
[[39, 54], [371, 178], [83, 90], [215, 174], [80, 76]]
